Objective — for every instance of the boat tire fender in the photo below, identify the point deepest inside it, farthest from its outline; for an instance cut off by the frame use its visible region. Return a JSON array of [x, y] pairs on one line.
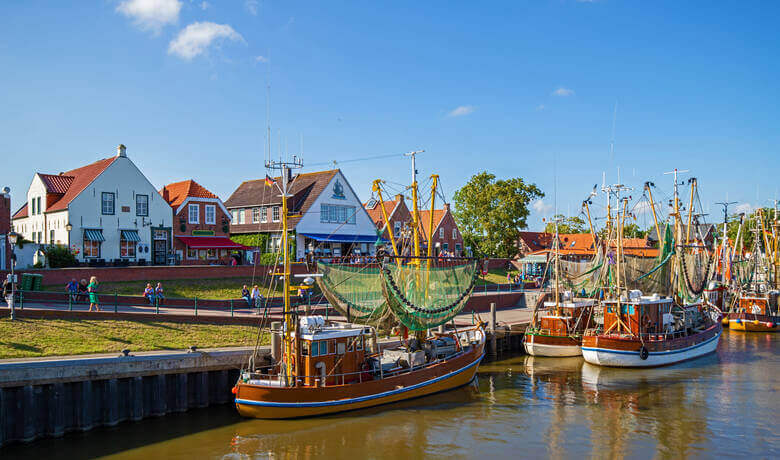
[[643, 353]]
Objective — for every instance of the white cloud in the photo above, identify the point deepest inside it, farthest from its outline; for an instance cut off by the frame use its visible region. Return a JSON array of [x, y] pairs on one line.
[[541, 207], [204, 6], [262, 59], [540, 107], [251, 6], [197, 37], [461, 111], [151, 15], [563, 92]]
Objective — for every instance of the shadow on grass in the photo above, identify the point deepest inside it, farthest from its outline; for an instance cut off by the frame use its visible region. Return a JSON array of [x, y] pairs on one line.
[[23, 347]]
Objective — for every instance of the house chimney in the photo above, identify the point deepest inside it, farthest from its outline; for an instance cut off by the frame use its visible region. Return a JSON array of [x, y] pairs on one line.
[[166, 194], [446, 207], [121, 151], [399, 198]]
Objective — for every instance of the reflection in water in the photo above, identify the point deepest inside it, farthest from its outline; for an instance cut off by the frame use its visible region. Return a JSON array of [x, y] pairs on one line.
[[722, 404]]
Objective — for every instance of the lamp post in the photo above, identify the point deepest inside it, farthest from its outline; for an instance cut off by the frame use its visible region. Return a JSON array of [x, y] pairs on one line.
[[12, 238], [68, 228]]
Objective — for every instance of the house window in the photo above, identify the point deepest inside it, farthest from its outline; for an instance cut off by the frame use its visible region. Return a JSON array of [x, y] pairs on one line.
[[441, 233], [241, 216], [126, 247], [255, 215], [275, 216], [51, 236], [32, 207], [91, 249], [274, 243], [337, 214], [211, 214], [234, 216], [192, 254], [457, 248], [446, 246], [107, 203], [454, 233], [40, 237], [142, 205], [264, 214], [194, 213], [211, 254], [396, 227]]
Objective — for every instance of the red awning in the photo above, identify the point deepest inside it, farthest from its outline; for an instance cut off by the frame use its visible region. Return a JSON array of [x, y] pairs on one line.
[[210, 242]]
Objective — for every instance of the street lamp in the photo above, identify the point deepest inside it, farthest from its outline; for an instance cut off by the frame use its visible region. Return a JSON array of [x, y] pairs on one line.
[[68, 228], [13, 237]]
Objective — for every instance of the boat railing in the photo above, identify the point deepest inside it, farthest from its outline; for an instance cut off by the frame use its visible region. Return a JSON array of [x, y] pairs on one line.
[[648, 336]]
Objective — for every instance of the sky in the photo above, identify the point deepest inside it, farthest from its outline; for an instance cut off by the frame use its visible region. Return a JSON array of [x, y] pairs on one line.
[[561, 93]]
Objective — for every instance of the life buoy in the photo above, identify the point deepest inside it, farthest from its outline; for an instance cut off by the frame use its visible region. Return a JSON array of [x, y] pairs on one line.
[[643, 353]]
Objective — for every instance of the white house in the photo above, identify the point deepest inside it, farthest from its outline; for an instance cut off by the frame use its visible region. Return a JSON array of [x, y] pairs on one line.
[[326, 214], [105, 211]]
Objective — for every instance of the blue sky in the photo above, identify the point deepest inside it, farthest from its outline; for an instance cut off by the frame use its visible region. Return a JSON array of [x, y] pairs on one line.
[[518, 89]]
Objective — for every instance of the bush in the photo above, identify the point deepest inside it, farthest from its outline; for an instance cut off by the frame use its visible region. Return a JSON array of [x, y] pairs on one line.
[[60, 257]]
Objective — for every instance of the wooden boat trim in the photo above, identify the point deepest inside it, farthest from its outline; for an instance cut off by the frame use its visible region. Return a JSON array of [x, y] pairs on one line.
[[362, 398], [666, 352]]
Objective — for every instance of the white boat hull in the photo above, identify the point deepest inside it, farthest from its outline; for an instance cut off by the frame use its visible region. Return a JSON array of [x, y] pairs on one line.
[[555, 351], [620, 358]]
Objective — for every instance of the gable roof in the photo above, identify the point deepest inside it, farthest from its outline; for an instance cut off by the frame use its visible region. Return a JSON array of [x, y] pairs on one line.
[[536, 241], [425, 217], [177, 192], [22, 212], [375, 213], [305, 189], [58, 184]]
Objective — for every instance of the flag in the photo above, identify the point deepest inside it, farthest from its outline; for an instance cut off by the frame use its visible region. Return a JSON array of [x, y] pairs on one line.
[[268, 181]]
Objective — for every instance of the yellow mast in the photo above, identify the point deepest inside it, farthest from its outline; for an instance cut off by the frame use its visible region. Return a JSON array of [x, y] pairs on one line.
[[434, 182], [415, 207], [690, 213], [376, 187], [590, 223], [655, 216]]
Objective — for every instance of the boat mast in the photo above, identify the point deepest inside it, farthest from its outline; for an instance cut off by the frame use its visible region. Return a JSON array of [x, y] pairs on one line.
[[378, 189], [655, 216], [434, 183], [415, 207], [291, 330], [724, 256], [677, 222]]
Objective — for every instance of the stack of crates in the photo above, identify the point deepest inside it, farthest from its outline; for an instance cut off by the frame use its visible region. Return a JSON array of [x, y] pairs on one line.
[[31, 282]]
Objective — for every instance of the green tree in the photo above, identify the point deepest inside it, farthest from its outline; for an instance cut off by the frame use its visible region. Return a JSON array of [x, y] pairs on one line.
[[751, 222], [633, 231], [574, 224], [491, 211]]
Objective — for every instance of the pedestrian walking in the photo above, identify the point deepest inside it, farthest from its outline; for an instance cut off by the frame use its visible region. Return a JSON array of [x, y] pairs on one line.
[[92, 288], [8, 290]]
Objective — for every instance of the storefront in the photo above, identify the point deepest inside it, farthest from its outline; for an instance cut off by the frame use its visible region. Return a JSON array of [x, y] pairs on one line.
[[339, 245], [209, 249]]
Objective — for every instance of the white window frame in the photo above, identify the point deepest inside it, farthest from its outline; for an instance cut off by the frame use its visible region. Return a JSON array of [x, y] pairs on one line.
[[441, 233], [275, 214], [241, 216], [234, 216], [194, 255], [454, 233], [145, 207], [211, 214], [255, 215], [193, 213], [263, 214], [396, 227]]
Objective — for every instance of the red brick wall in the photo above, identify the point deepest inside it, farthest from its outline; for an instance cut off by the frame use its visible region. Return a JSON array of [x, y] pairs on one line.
[[153, 273], [5, 225], [401, 215], [448, 224], [188, 228]]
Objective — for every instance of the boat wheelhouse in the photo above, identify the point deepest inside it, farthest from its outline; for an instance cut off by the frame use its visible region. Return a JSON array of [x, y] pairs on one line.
[[648, 331], [558, 329], [756, 312]]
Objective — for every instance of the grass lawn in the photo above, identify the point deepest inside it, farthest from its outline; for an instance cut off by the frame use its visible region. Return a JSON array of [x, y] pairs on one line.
[[495, 276], [25, 338], [219, 288]]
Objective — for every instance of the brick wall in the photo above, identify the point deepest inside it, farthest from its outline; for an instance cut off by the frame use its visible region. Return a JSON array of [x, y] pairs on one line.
[[153, 273], [182, 220]]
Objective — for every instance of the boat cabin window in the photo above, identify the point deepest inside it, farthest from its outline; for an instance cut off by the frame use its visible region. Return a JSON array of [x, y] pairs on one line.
[[359, 344], [319, 348], [627, 309], [341, 348], [305, 344]]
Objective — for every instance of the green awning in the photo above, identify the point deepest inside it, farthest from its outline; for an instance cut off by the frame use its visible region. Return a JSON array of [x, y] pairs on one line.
[[131, 235], [534, 259], [93, 235]]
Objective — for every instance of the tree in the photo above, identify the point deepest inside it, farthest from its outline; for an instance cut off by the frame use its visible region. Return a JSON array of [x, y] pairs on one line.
[[751, 222], [633, 231], [573, 224], [490, 213]]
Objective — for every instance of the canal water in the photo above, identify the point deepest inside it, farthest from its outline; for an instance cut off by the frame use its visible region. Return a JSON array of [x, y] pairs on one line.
[[725, 404]]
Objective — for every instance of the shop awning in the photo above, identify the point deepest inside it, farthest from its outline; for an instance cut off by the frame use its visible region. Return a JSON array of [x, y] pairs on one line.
[[130, 235], [210, 242], [339, 238], [91, 234], [534, 259]]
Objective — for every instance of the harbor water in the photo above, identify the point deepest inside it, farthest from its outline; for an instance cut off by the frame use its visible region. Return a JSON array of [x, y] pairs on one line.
[[724, 404]]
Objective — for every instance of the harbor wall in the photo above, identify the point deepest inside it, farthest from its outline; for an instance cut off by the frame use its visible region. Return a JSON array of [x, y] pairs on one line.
[[49, 397]]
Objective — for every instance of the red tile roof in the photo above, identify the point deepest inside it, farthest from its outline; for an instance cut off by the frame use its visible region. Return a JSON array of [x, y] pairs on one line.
[[58, 184], [180, 191], [375, 213], [425, 218], [82, 177], [22, 212]]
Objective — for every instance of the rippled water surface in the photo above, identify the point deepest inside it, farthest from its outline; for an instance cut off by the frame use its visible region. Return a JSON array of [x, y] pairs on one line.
[[725, 404]]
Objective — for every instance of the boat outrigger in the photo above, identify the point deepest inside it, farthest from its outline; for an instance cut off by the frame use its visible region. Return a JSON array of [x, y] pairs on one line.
[[324, 367]]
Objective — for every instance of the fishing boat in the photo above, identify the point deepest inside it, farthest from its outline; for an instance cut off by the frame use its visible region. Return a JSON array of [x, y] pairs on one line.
[[323, 367], [656, 330]]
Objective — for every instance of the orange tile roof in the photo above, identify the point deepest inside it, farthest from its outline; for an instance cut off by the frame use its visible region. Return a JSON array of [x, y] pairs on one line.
[[58, 184], [180, 191], [22, 212], [425, 220], [375, 213]]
